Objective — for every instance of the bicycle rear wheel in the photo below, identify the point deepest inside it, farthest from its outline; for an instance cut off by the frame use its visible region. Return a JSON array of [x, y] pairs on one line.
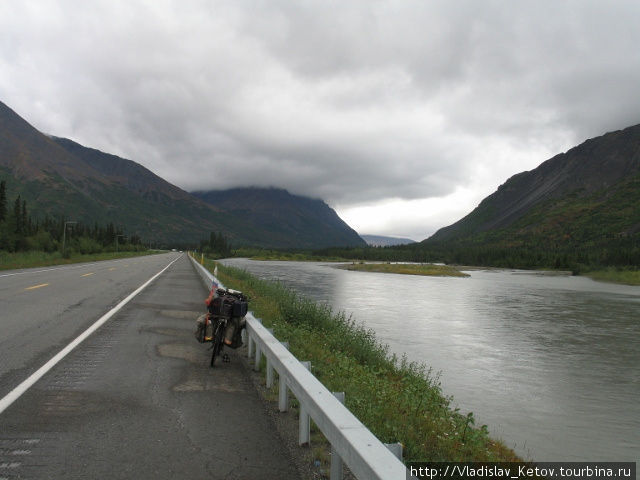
[[217, 341]]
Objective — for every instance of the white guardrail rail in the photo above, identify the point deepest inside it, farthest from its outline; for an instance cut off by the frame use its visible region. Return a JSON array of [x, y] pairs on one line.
[[351, 441]]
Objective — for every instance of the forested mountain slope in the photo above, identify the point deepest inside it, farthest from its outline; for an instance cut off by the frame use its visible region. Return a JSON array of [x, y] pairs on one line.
[[580, 206]]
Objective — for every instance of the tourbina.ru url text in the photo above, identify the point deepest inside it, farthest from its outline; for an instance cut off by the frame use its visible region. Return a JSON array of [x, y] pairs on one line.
[[516, 471]]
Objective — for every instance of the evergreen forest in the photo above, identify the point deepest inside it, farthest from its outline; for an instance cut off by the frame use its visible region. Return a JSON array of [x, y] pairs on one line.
[[21, 231]]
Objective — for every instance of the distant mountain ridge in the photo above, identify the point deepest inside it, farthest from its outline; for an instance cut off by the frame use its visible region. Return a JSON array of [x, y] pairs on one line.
[[127, 173], [383, 241], [61, 178], [591, 191], [287, 220]]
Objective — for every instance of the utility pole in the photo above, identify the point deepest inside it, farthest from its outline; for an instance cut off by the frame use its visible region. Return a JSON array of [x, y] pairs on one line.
[[64, 234]]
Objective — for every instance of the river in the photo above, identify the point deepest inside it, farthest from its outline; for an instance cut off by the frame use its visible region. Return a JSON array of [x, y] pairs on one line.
[[551, 364]]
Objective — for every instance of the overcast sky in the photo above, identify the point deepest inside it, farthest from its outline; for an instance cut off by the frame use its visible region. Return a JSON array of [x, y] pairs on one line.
[[402, 115]]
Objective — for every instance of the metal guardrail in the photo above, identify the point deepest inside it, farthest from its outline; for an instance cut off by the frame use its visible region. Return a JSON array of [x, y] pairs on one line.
[[351, 441]]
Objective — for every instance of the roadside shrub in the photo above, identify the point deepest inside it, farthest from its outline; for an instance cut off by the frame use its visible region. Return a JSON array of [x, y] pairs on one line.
[[86, 245], [41, 241]]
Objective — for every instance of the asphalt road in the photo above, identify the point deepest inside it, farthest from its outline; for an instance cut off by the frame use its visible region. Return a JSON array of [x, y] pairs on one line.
[[43, 309], [137, 398]]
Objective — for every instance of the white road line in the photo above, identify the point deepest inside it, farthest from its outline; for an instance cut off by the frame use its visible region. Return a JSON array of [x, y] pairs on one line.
[[64, 267], [17, 392]]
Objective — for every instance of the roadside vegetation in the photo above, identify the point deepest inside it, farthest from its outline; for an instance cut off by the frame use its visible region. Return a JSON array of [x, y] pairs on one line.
[[427, 269], [398, 400], [27, 242]]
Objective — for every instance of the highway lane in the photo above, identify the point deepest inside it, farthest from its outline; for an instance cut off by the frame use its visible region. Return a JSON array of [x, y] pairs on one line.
[[43, 309], [137, 399]]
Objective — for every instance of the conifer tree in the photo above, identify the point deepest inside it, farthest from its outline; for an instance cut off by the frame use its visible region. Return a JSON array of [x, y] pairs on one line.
[[17, 214], [24, 228], [3, 201]]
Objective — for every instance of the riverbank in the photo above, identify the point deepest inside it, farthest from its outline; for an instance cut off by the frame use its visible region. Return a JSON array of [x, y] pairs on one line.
[[609, 275], [399, 401], [426, 269], [14, 261], [612, 275]]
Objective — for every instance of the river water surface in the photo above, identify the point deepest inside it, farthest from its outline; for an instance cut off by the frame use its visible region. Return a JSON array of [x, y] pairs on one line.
[[550, 363]]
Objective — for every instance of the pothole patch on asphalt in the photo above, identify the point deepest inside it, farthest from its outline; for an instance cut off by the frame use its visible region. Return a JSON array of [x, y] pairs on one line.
[[190, 353], [199, 381], [169, 332], [200, 377], [182, 314]]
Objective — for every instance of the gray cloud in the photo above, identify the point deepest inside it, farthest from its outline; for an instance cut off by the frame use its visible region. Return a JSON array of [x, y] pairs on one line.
[[353, 102]]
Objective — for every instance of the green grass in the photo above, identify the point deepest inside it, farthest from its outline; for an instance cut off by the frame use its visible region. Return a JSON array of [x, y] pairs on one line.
[[11, 261], [398, 400], [427, 269], [614, 275]]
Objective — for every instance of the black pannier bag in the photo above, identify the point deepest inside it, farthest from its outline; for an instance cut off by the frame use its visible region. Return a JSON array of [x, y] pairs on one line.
[[239, 308], [229, 304], [239, 325], [219, 307]]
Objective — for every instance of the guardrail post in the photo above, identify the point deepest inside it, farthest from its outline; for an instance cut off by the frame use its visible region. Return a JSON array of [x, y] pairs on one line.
[[283, 395], [252, 343], [250, 346], [304, 426], [283, 390], [269, 366], [336, 461], [396, 449], [256, 363]]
